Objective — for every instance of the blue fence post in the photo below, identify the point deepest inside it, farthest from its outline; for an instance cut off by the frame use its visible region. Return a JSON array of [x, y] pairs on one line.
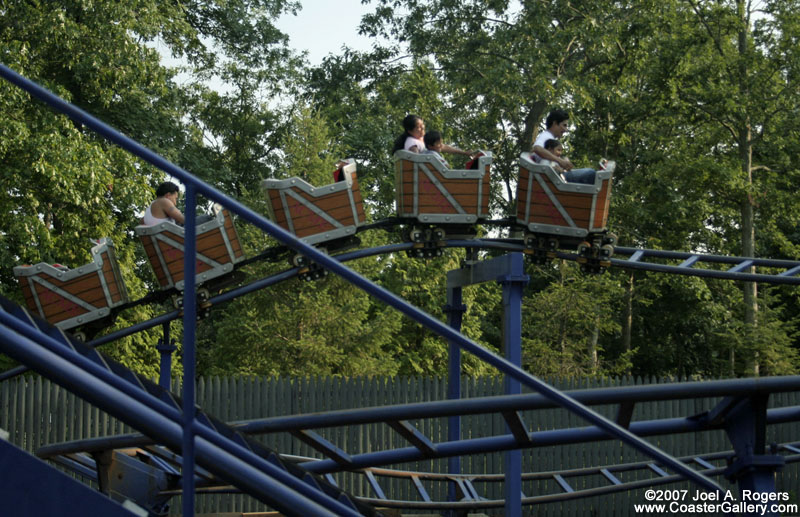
[[189, 325], [455, 310], [513, 284]]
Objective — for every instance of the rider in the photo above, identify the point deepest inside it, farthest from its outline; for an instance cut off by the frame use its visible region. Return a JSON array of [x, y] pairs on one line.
[[163, 209]]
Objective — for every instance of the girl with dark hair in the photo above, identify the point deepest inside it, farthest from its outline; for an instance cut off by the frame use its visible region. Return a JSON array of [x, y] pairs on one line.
[[411, 138]]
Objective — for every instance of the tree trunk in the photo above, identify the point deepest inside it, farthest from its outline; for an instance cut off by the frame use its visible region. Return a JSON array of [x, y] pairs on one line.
[[627, 317], [529, 131], [746, 155], [594, 363], [531, 126]]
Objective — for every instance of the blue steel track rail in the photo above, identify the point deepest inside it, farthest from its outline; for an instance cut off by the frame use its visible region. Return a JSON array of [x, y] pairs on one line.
[[560, 481], [638, 261], [195, 187], [157, 412]]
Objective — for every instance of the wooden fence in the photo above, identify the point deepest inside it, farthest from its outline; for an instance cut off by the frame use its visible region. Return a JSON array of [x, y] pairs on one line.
[[36, 412]]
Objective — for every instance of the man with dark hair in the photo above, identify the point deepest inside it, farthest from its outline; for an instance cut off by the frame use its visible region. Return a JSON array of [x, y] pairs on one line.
[[556, 124], [163, 208], [167, 188], [555, 127]]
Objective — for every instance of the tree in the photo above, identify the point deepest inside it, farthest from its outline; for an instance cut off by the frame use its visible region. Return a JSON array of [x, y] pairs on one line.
[[719, 83], [567, 317], [505, 66], [318, 328], [62, 183]]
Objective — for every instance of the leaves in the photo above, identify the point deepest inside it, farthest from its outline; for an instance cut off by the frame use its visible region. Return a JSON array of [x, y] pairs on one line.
[[695, 100]]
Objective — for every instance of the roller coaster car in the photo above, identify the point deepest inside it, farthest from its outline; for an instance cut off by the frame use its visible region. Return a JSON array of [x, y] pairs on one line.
[[218, 251], [443, 202], [557, 214], [81, 297], [327, 215]]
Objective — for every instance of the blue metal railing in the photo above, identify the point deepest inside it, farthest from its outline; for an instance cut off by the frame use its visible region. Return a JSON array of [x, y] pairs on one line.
[[93, 381], [196, 187]]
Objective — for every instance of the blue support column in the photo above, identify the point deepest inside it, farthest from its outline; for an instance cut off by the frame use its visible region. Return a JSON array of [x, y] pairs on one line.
[[513, 283], [509, 271], [166, 347], [746, 426], [189, 324], [455, 310]]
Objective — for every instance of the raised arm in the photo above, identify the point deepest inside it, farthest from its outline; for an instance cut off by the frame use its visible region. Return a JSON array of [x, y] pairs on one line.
[[455, 150], [547, 155]]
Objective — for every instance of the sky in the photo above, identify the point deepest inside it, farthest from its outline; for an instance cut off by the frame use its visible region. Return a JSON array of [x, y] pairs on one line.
[[322, 27]]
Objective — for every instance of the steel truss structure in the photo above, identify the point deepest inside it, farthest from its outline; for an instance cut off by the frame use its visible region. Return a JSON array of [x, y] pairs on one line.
[[725, 415], [211, 450]]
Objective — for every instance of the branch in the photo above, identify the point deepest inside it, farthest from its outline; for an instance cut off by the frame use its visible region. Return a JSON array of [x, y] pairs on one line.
[[696, 10], [727, 125], [467, 18], [398, 58], [567, 54], [504, 57]]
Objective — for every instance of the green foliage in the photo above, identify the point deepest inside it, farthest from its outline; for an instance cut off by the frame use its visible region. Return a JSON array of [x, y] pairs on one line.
[[565, 320], [423, 284], [64, 185], [679, 323], [324, 327], [771, 341], [695, 100]]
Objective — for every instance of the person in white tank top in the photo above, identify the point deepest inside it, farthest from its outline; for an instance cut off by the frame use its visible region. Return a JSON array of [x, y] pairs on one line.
[[163, 209]]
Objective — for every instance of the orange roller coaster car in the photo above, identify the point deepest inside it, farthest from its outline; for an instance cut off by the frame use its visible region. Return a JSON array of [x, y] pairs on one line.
[[218, 250], [329, 215], [71, 298], [559, 214], [432, 193], [317, 214], [442, 202]]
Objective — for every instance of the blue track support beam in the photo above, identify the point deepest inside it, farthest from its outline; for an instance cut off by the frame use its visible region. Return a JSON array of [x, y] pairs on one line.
[[493, 270], [189, 327], [23, 492], [455, 310], [753, 470], [359, 281], [509, 271], [513, 282], [530, 401]]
